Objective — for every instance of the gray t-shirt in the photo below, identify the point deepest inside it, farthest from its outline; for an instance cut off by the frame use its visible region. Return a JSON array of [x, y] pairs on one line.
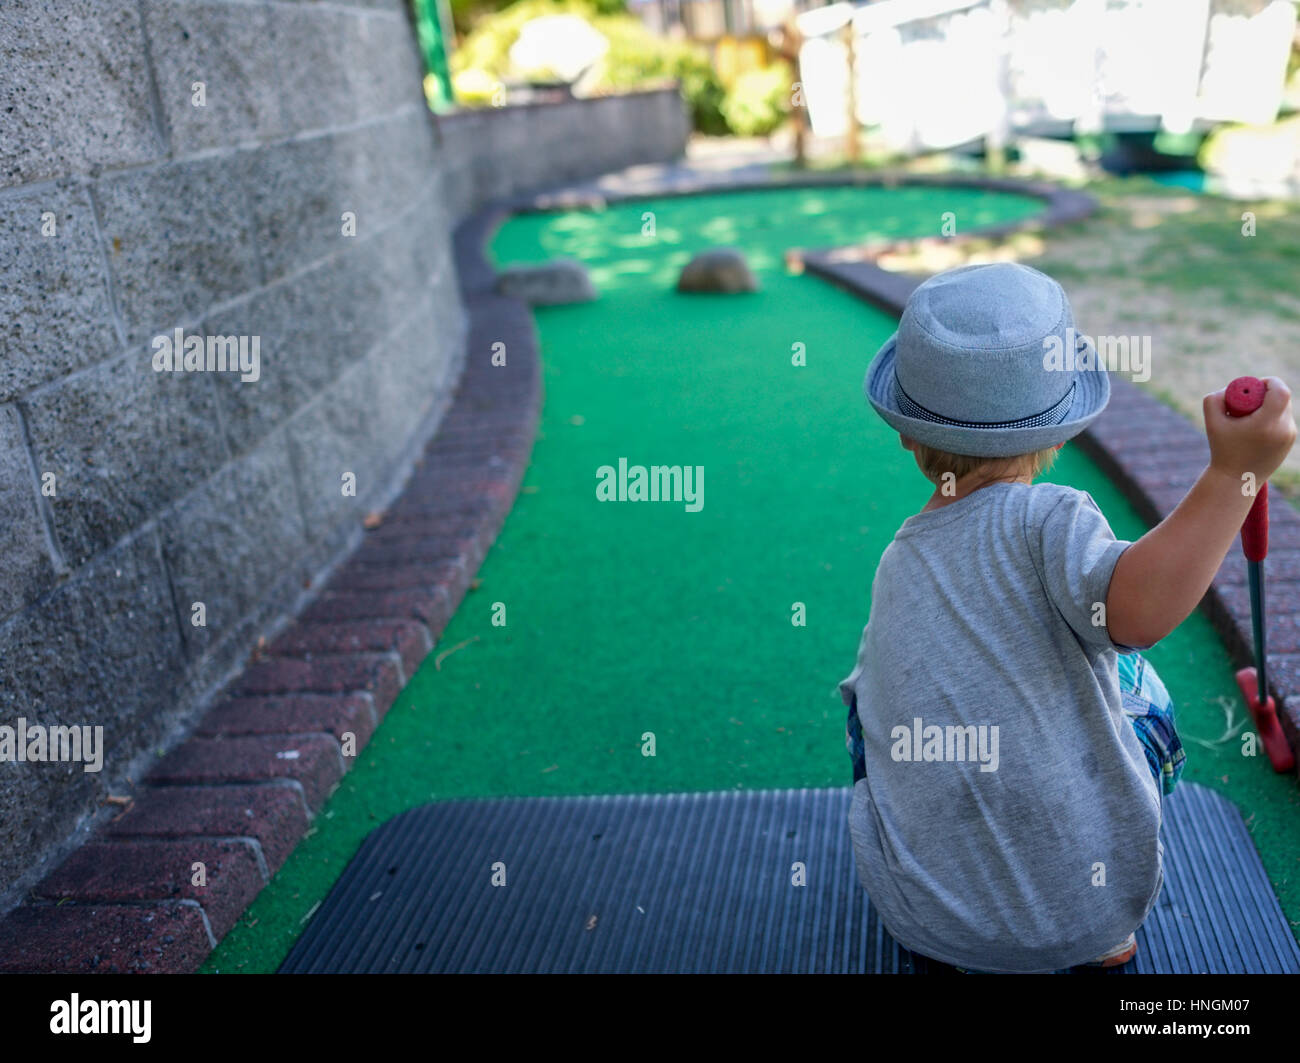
[[1008, 820]]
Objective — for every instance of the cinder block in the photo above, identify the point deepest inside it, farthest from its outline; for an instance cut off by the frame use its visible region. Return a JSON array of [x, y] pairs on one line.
[[54, 299], [179, 239], [404, 261], [311, 328], [231, 539], [122, 441], [335, 435], [102, 650], [456, 186], [409, 370], [230, 50], [299, 192], [383, 66], [314, 47], [340, 67], [26, 567], [75, 91], [400, 160]]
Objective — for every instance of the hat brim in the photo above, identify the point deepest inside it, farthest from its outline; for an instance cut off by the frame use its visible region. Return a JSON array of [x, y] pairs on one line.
[[1092, 392]]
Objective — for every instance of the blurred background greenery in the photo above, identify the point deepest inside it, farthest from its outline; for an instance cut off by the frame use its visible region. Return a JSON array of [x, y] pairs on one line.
[[734, 86]]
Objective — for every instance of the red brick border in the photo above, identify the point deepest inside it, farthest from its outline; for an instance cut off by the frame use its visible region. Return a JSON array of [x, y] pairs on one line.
[[239, 793]]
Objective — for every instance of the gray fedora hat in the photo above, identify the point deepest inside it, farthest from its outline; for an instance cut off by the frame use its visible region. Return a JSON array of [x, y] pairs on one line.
[[968, 369]]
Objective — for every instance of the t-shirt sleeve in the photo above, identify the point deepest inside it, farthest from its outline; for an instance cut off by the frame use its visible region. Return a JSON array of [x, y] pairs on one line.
[[1079, 552], [849, 683]]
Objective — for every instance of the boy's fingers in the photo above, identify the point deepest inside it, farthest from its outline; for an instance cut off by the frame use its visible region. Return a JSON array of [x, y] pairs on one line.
[[1214, 406], [1277, 400], [1277, 396]]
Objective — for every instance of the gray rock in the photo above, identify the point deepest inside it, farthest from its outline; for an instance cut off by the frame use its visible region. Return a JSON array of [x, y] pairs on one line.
[[561, 280], [720, 269]]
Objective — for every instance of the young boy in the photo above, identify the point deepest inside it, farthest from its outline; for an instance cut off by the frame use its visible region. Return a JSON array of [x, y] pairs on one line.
[[1009, 762]]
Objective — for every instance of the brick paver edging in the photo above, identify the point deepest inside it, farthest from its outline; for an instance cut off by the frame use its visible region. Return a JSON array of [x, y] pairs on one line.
[[239, 793]]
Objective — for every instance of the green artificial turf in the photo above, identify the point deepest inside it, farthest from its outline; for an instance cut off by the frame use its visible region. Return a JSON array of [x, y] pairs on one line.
[[623, 619]]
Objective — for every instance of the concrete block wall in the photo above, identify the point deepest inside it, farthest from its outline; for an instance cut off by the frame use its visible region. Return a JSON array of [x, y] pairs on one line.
[[498, 153], [127, 211]]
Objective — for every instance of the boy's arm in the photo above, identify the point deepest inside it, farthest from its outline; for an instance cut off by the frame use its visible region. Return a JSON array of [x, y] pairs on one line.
[[1159, 580]]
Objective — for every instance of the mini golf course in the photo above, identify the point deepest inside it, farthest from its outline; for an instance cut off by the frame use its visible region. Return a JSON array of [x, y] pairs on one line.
[[595, 625]]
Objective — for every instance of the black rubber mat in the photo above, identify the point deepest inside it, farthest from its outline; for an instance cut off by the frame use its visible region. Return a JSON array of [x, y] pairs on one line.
[[705, 883]]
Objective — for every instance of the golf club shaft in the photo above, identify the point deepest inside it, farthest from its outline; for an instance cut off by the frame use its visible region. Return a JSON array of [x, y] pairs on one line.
[[1256, 573]]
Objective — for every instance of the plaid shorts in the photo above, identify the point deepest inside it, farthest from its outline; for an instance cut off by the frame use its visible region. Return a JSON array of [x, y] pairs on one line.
[[1147, 705], [1150, 710]]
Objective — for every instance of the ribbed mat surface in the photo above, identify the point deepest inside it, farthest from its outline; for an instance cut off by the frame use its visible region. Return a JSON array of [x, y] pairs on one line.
[[703, 883]]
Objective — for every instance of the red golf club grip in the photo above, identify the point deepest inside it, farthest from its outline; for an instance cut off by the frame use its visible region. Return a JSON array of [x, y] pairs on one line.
[[1242, 398]]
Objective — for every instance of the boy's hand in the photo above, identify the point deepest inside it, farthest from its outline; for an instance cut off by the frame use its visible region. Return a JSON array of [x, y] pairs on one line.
[[1257, 443], [1158, 580]]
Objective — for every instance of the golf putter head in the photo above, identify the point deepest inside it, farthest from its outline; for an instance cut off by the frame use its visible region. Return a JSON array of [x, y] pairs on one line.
[[1242, 398], [1268, 726]]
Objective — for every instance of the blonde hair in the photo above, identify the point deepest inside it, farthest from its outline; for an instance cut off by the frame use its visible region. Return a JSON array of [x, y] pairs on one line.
[[935, 463]]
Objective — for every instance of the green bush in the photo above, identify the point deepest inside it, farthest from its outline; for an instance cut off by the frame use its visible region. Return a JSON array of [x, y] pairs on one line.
[[758, 101], [465, 14], [1267, 152], [635, 57]]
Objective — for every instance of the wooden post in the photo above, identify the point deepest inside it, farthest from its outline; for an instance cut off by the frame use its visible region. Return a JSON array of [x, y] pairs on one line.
[[851, 145], [791, 42]]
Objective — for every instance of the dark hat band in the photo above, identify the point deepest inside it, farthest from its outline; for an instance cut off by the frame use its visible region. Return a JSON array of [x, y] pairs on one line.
[[1054, 414]]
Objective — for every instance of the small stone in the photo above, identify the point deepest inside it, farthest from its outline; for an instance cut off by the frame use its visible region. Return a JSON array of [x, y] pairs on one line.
[[720, 269], [561, 280]]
